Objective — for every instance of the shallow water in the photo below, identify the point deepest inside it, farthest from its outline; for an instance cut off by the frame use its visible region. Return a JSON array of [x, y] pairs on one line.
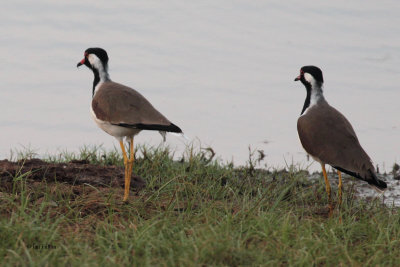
[[223, 71], [390, 196]]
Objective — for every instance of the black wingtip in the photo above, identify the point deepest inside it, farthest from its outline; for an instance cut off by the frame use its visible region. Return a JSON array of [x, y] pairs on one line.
[[372, 178], [376, 182], [379, 184], [174, 129], [153, 127]]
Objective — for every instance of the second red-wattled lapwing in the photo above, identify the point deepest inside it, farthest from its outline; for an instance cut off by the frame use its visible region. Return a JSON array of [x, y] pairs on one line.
[[328, 136], [120, 110]]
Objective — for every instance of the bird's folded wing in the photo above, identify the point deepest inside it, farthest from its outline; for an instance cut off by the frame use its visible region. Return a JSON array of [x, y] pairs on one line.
[[327, 135], [123, 106]]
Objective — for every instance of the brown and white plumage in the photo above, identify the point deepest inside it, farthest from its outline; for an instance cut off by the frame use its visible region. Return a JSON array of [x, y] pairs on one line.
[[120, 110], [328, 136], [120, 104]]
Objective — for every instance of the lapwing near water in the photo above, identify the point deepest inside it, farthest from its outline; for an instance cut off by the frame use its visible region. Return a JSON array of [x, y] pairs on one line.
[[328, 136], [121, 111]]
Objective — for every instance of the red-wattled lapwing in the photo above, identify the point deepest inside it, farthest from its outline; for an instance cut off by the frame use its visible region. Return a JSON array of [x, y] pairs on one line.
[[120, 110], [329, 137]]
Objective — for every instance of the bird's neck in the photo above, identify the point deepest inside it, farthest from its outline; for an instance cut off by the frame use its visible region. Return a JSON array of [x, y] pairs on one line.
[[314, 96], [100, 76]]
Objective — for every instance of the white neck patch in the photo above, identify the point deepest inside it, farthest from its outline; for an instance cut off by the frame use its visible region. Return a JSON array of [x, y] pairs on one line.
[[309, 78], [316, 91], [98, 65]]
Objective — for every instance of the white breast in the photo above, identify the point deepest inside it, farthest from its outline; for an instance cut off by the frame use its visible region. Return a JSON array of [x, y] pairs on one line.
[[114, 130]]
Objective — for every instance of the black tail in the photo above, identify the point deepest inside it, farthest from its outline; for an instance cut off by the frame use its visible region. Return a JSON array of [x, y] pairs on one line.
[[154, 127], [376, 182], [371, 179]]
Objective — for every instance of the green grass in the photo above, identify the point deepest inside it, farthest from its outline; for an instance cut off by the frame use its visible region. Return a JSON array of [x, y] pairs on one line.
[[193, 212]]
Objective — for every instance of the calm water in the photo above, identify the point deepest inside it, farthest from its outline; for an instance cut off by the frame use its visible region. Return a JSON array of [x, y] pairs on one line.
[[221, 71]]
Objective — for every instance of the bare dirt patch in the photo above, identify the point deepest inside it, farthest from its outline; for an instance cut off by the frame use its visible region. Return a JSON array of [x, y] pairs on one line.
[[75, 173]]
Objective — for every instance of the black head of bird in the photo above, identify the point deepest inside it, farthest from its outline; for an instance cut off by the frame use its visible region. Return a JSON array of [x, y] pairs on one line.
[[94, 58], [310, 76]]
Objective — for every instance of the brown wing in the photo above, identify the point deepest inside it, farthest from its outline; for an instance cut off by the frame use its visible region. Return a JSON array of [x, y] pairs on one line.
[[123, 106], [327, 135]]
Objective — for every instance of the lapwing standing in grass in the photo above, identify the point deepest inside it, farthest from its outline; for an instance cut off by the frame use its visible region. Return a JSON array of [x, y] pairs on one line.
[[120, 110], [329, 137]]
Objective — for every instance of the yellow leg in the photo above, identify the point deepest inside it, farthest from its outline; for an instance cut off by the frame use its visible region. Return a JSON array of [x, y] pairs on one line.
[[121, 143], [128, 169], [328, 189], [132, 156], [340, 194], [130, 165], [126, 164], [340, 187]]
